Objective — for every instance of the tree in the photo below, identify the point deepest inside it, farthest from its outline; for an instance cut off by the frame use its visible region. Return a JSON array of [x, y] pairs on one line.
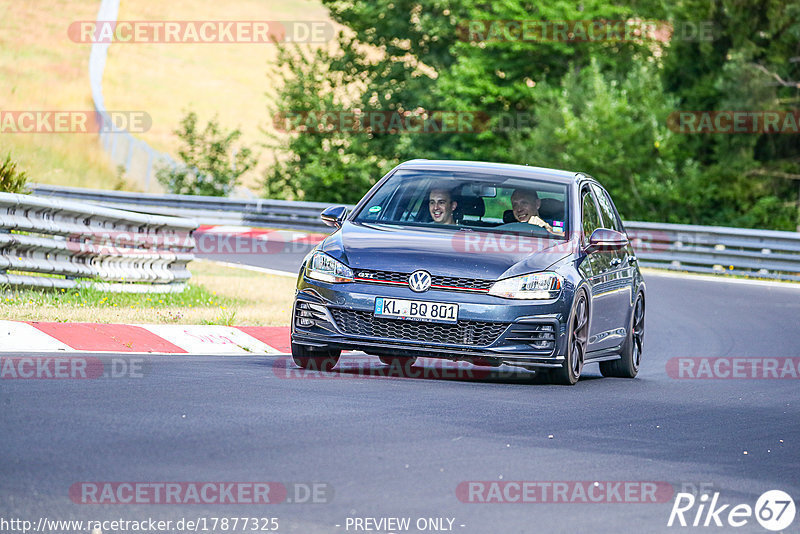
[[745, 67], [616, 131], [211, 164], [399, 56], [11, 179], [334, 165], [599, 106]]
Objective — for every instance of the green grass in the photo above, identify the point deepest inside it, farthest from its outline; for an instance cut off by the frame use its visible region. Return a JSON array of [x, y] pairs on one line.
[[216, 294], [193, 295]]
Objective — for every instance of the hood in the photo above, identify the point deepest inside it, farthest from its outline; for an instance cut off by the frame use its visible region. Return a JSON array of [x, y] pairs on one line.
[[441, 251]]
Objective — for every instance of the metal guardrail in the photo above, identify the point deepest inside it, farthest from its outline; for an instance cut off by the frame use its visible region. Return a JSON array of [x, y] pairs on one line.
[[705, 249], [208, 210], [54, 243], [717, 249]]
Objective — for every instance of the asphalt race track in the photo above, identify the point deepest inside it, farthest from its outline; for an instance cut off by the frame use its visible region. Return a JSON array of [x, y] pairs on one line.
[[399, 446]]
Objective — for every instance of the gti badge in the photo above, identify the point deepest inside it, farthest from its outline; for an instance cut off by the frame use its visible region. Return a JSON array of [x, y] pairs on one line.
[[419, 281]]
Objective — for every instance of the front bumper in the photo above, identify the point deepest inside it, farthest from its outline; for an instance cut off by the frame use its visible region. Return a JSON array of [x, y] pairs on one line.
[[490, 330]]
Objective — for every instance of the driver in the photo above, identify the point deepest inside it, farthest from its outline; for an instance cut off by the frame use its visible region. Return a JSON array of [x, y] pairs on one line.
[[525, 205], [441, 205]]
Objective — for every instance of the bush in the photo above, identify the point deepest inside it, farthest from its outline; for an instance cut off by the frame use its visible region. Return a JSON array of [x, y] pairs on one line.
[[12, 180], [615, 130], [211, 165], [324, 166]]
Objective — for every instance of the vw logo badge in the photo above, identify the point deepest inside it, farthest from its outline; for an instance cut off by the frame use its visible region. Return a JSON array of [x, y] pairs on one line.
[[419, 281]]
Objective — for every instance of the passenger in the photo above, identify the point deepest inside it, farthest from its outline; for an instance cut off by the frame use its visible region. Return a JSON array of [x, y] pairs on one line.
[[525, 205], [441, 206]]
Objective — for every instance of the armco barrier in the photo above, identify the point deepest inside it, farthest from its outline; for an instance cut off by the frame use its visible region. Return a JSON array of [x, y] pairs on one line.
[[207, 210], [707, 249], [717, 249], [63, 244]]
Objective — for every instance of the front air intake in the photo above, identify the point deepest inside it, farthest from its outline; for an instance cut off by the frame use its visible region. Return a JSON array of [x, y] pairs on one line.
[[539, 336]]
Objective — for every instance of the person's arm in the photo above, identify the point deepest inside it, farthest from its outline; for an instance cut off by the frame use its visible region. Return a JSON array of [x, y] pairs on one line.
[[538, 221]]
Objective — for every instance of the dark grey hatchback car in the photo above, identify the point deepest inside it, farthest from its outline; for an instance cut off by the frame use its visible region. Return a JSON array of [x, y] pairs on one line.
[[486, 263]]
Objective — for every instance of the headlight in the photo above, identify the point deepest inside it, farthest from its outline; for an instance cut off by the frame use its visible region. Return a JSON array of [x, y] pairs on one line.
[[323, 267], [528, 286]]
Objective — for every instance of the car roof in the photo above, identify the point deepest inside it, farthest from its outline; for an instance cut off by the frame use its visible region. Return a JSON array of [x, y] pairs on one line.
[[506, 169]]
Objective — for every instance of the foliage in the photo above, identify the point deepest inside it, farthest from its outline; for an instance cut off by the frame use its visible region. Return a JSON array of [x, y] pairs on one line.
[[597, 106], [212, 164], [335, 166], [11, 179], [589, 123]]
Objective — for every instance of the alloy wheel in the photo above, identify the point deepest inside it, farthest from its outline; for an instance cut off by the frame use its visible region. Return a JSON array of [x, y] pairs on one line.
[[638, 332], [580, 334]]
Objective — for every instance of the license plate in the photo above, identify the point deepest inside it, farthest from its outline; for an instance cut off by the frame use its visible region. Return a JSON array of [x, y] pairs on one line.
[[416, 310]]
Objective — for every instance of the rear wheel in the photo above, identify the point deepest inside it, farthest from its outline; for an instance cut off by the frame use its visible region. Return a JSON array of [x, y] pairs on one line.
[[315, 359], [569, 373], [628, 365]]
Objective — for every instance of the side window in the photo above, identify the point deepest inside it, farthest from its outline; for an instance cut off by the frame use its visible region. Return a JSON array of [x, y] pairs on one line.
[[401, 204], [589, 215], [415, 198], [606, 209]]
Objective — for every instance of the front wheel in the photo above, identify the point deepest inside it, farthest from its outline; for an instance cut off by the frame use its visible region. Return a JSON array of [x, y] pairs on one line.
[[315, 359], [628, 365], [569, 373]]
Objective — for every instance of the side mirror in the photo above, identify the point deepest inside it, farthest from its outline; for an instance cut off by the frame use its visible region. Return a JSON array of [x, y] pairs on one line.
[[606, 240], [333, 216]]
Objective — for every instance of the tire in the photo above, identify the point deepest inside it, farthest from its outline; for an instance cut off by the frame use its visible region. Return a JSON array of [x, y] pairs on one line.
[[628, 365], [405, 362], [570, 372], [315, 359]]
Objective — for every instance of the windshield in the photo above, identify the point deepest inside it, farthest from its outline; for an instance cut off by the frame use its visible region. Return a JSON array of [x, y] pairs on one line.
[[468, 200]]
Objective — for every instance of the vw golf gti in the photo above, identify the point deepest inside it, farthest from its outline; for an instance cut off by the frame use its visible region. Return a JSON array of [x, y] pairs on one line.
[[486, 263]]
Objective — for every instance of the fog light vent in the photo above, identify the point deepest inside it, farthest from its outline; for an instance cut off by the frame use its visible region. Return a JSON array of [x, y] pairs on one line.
[[538, 336], [307, 314]]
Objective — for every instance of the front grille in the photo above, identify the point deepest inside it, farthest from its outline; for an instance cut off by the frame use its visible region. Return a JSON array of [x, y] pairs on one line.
[[445, 282], [383, 276], [467, 283], [471, 333]]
